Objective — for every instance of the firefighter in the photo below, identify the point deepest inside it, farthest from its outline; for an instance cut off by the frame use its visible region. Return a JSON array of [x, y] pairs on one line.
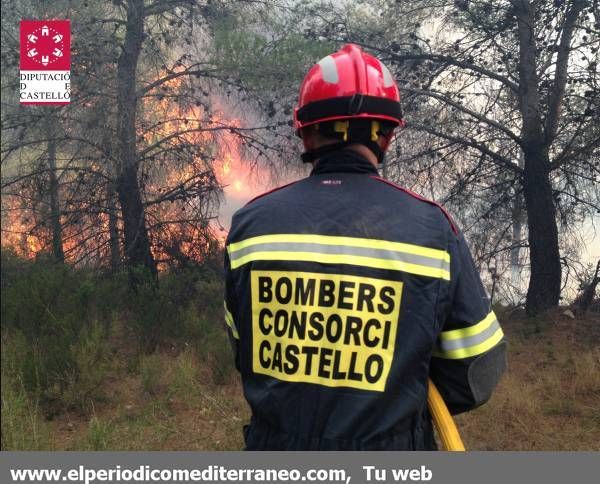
[[345, 292]]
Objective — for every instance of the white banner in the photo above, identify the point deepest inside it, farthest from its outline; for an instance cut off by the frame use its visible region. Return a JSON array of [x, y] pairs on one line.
[[45, 87]]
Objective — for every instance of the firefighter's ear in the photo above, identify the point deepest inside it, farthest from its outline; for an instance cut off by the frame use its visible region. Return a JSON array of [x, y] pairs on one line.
[[304, 134], [384, 141], [311, 138], [308, 140]]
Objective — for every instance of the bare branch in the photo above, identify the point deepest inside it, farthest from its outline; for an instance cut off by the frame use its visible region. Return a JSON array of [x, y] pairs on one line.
[[495, 157], [162, 6], [447, 60], [174, 75], [460, 107]]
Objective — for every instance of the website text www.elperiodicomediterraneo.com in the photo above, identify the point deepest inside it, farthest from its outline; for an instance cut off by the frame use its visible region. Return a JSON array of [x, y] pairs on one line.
[[212, 473]]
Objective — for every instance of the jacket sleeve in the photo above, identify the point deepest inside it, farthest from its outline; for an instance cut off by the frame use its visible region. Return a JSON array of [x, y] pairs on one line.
[[470, 353], [230, 310]]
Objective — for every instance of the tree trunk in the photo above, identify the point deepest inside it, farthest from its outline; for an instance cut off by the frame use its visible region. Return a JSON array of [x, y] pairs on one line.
[[55, 223], [517, 234], [137, 243], [113, 230], [544, 254], [111, 194]]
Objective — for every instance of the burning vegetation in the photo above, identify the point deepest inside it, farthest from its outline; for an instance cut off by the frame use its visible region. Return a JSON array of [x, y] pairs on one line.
[[190, 162]]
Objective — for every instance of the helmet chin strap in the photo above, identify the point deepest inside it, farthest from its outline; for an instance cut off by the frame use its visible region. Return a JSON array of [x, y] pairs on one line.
[[312, 155]]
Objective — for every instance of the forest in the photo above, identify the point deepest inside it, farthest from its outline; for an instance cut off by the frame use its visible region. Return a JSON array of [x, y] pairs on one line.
[[115, 207]]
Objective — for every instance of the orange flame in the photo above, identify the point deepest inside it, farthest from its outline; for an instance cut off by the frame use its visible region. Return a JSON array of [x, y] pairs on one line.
[[178, 228]]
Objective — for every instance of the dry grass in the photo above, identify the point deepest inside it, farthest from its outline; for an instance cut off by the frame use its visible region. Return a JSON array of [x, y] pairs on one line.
[[548, 400], [164, 404], [550, 397]]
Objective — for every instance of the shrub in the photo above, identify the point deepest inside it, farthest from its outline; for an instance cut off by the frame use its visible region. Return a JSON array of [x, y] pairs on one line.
[[184, 376], [57, 320], [168, 311], [52, 341], [83, 383], [151, 374], [99, 434], [217, 352], [22, 426]]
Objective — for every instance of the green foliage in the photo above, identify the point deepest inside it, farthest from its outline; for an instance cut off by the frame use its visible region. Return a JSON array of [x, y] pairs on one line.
[[50, 313], [151, 373], [217, 352], [184, 378], [209, 341], [22, 427], [270, 63], [64, 330], [91, 364], [173, 309], [99, 435]]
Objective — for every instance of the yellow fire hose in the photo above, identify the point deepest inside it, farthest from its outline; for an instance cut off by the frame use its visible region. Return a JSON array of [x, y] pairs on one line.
[[442, 420]]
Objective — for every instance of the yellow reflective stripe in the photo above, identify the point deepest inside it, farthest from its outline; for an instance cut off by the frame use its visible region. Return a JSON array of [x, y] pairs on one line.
[[471, 330], [229, 321], [341, 240], [472, 350], [343, 259]]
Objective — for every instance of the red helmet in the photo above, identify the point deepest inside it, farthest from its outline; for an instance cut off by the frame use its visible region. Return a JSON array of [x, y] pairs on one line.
[[348, 84]]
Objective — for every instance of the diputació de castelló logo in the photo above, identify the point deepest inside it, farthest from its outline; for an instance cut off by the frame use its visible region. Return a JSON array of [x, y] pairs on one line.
[[45, 62]]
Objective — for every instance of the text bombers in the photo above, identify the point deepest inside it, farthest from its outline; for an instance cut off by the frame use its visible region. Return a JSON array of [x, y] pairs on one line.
[[328, 329]]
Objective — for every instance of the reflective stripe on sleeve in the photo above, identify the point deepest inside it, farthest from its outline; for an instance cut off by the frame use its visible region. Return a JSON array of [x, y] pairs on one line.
[[471, 341], [229, 321], [379, 254]]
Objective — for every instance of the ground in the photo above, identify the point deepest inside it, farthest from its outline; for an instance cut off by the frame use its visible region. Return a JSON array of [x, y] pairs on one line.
[[549, 398]]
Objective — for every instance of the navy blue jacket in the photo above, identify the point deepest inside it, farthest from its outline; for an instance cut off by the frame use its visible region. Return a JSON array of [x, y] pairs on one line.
[[344, 293]]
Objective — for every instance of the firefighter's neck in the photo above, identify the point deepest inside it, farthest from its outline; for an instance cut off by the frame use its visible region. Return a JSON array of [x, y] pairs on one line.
[[365, 152], [361, 150]]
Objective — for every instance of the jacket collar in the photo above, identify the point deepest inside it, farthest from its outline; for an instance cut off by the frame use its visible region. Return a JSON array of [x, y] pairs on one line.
[[343, 161]]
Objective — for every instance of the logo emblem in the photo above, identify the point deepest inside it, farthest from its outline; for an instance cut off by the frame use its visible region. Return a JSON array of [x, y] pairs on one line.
[[45, 61]]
